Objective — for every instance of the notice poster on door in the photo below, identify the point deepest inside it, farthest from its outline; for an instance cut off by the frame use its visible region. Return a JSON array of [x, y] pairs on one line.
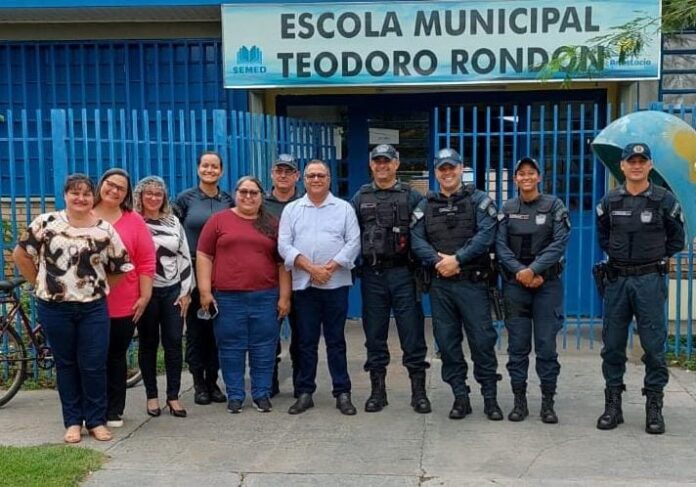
[[425, 43]]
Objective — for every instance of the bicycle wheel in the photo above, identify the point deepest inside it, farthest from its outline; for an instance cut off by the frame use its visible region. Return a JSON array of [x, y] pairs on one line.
[[13, 364], [134, 376]]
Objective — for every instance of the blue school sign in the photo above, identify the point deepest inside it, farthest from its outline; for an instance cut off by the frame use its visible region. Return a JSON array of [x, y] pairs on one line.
[[416, 43]]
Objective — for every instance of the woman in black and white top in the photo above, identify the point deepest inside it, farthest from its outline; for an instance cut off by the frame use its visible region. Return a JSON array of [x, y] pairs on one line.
[[171, 295]]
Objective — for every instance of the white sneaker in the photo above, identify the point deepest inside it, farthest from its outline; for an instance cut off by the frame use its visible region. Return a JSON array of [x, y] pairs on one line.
[[114, 423]]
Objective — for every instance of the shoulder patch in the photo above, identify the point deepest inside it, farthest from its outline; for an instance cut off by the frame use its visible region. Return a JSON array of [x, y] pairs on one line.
[[600, 210], [501, 216], [416, 215]]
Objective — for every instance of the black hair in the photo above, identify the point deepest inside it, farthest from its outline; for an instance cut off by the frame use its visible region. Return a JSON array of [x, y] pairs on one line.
[[127, 203], [76, 180], [209, 153], [265, 223]]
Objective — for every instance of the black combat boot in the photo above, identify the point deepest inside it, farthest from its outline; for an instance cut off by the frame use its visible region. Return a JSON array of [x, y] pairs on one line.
[[201, 395], [378, 397], [216, 395], [519, 408], [613, 415], [491, 409], [548, 415], [461, 406], [654, 422], [419, 399]]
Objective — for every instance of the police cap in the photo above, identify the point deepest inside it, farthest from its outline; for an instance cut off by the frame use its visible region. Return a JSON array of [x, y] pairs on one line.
[[636, 149], [447, 156], [527, 160], [384, 150]]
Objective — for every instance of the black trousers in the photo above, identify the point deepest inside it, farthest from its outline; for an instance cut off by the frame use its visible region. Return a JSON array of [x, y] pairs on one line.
[[161, 315], [120, 335], [201, 350]]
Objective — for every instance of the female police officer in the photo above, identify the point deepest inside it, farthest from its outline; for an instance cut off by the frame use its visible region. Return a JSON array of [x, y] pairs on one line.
[[533, 232]]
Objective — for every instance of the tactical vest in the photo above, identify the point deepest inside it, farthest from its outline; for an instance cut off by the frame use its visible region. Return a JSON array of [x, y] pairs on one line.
[[385, 216], [637, 233], [530, 228], [451, 222]]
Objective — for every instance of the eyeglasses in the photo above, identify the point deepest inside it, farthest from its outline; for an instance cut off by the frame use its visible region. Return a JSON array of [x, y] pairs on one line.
[[111, 186], [316, 175], [153, 194], [249, 193], [283, 172]]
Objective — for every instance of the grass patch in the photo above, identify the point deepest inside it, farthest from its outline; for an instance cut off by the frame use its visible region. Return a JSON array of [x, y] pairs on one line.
[[681, 359], [48, 465]]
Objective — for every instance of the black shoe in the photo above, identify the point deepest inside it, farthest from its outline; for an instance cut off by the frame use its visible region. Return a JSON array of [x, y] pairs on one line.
[[419, 399], [177, 413], [654, 421], [216, 394], [344, 404], [547, 413], [234, 406], [519, 408], [491, 409], [153, 412], [201, 397], [303, 403], [460, 408], [263, 405], [378, 396], [613, 414]]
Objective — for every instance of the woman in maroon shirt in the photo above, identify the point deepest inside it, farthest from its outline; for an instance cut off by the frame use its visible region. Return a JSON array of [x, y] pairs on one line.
[[240, 273]]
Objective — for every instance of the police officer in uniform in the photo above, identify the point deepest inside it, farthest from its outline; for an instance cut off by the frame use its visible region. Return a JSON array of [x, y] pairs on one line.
[[284, 175], [533, 232], [639, 226], [453, 235], [384, 208]]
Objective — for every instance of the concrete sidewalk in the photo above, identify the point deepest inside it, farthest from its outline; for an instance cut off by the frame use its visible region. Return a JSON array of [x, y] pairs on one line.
[[396, 447]]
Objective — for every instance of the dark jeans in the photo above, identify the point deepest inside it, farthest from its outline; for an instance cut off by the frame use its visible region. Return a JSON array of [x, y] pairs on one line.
[[643, 297], [79, 336], [464, 302], [120, 335], [201, 349], [247, 323], [162, 315], [384, 291], [538, 313], [320, 310]]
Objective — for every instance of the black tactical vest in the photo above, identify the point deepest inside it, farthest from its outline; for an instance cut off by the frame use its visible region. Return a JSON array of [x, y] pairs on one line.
[[451, 222], [637, 233], [385, 216], [530, 228]]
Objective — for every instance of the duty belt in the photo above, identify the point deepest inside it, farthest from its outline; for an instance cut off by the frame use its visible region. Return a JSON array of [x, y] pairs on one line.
[[614, 271], [473, 275]]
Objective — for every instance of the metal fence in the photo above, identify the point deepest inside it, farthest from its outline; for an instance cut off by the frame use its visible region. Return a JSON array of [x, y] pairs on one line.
[[492, 138]]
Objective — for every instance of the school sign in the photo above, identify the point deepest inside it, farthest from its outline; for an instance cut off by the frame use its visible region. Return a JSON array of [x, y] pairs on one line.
[[415, 43]]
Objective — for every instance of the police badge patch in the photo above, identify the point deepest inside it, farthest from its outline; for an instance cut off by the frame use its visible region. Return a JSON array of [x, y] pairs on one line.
[[540, 218], [646, 216]]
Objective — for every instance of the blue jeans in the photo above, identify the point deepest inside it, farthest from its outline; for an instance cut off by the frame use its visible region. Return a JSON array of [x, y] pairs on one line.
[[247, 323], [643, 297], [537, 312], [382, 292], [318, 309], [161, 314], [458, 303], [79, 336]]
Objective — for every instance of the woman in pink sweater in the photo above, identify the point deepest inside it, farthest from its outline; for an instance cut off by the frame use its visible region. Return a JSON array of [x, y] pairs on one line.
[[127, 300]]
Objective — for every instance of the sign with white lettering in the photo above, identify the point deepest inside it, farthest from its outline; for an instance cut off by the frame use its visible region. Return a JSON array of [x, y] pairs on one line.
[[438, 42]]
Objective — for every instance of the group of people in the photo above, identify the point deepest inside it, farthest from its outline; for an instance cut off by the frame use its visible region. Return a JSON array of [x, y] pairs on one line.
[[117, 258]]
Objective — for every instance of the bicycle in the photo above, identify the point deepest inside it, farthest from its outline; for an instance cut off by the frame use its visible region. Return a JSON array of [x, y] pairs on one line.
[[16, 353]]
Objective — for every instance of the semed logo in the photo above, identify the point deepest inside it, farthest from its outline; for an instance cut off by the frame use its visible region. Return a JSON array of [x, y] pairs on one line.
[[249, 61]]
